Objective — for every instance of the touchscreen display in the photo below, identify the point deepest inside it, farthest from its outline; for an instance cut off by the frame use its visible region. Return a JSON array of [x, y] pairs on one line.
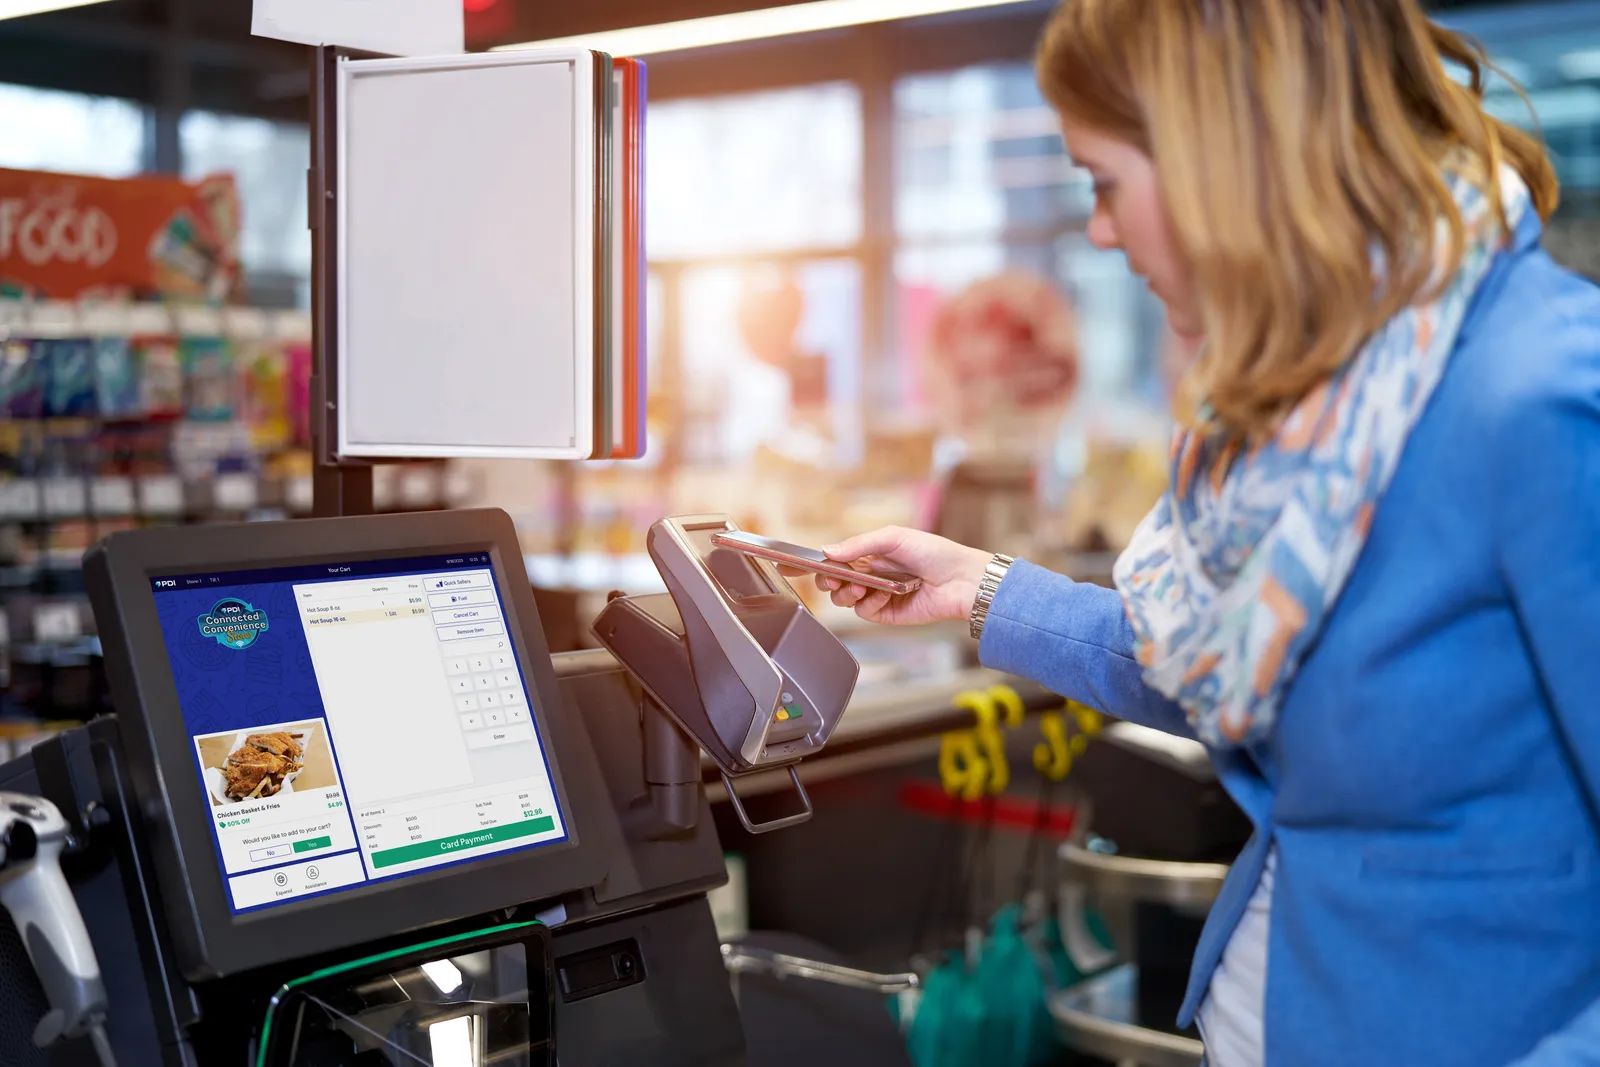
[[355, 722]]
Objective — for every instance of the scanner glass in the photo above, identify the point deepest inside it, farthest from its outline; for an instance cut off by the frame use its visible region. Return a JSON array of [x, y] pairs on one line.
[[735, 572], [353, 722], [487, 999]]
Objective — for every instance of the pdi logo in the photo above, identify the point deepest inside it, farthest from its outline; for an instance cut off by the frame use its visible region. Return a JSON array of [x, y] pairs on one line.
[[234, 623], [166, 583]]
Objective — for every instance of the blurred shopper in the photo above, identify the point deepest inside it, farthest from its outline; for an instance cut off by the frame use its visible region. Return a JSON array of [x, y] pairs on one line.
[[1373, 586]]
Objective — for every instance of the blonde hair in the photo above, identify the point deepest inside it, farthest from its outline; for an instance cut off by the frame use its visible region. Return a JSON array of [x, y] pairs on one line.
[[1290, 138]]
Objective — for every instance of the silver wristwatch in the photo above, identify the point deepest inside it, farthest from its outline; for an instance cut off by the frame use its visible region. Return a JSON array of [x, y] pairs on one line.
[[993, 574]]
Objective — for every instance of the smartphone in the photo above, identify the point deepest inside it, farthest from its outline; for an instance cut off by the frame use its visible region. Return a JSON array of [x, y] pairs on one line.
[[815, 561]]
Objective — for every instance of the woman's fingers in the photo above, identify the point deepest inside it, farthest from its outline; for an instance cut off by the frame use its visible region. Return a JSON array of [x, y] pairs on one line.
[[849, 595], [870, 605], [882, 542]]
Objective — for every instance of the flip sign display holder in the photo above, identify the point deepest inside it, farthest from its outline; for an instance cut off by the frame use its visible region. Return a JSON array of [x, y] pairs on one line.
[[477, 258]]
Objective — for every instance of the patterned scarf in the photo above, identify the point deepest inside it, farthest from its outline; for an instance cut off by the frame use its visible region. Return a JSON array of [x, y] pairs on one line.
[[1228, 579]]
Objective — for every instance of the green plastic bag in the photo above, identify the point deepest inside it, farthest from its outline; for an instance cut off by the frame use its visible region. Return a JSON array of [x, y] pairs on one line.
[[1009, 974], [991, 1012], [947, 1030]]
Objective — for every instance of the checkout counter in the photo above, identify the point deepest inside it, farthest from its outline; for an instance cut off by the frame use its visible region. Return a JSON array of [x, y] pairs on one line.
[[349, 813]]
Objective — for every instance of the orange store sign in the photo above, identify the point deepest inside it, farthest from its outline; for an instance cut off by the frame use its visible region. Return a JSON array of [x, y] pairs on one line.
[[64, 237]]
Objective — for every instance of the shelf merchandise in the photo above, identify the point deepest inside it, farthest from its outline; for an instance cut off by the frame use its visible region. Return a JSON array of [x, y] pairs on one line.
[[118, 415]]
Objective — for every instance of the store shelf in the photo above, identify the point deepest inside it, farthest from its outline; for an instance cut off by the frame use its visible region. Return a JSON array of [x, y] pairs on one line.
[[62, 318]]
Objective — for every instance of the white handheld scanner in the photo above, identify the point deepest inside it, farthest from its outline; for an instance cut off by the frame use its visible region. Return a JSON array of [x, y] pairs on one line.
[[732, 654], [33, 835]]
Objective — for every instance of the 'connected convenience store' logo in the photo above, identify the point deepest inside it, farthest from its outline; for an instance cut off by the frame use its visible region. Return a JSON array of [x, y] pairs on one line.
[[233, 623]]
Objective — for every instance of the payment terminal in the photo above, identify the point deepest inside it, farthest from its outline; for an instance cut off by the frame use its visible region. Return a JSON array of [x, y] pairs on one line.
[[733, 656], [349, 811]]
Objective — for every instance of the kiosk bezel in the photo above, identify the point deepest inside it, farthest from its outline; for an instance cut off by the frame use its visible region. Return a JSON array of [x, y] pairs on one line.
[[210, 940]]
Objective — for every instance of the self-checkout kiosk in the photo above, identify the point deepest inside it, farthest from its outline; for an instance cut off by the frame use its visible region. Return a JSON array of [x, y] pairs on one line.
[[349, 811]]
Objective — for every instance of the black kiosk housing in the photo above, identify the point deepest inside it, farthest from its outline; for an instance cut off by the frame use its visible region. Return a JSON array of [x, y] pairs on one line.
[[612, 922]]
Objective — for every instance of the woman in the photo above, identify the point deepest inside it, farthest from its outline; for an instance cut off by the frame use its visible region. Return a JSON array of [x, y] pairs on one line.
[[1373, 587]]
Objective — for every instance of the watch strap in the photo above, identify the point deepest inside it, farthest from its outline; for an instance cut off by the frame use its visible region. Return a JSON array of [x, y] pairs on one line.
[[993, 574]]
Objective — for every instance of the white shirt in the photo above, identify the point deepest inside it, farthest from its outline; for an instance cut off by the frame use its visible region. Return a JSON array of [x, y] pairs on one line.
[[1230, 1017]]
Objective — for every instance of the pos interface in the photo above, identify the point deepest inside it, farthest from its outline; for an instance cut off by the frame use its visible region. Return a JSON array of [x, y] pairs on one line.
[[339, 728], [354, 721]]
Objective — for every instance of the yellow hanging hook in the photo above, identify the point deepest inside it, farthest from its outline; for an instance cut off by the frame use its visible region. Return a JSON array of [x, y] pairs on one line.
[[1007, 697], [1052, 757], [962, 770], [983, 709], [1089, 720]]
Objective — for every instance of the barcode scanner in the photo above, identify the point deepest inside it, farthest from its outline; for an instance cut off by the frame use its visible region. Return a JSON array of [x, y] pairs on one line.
[[33, 834]]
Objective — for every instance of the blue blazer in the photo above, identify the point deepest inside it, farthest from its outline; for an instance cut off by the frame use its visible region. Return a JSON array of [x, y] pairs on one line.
[[1433, 782]]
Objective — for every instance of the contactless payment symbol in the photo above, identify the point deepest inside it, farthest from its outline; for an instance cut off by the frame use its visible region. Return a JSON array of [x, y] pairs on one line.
[[234, 623]]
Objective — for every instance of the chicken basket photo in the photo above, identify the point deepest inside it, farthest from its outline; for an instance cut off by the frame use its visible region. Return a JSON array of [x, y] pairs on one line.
[[248, 765]]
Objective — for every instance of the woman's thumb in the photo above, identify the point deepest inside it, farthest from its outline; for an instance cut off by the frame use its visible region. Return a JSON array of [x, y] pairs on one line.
[[877, 543]]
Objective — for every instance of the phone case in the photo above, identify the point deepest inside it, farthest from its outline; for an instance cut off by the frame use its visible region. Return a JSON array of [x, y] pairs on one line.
[[899, 585]]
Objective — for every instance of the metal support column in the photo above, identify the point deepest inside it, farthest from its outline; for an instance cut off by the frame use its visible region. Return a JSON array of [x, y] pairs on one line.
[[339, 487]]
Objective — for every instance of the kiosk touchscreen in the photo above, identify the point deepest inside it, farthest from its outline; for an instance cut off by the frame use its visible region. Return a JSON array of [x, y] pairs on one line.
[[354, 721], [340, 716]]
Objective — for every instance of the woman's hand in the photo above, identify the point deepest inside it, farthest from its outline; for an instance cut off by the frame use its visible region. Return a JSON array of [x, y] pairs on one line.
[[950, 575]]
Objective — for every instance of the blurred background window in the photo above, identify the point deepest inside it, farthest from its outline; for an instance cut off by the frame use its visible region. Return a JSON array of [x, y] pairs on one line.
[[45, 129], [977, 152], [1553, 52], [268, 161], [772, 360], [757, 172], [982, 185], [754, 218]]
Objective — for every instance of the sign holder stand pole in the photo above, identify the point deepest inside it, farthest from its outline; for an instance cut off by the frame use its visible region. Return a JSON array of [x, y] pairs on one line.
[[339, 486]]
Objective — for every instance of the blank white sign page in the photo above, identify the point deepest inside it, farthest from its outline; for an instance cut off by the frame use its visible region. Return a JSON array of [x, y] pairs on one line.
[[466, 215]]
